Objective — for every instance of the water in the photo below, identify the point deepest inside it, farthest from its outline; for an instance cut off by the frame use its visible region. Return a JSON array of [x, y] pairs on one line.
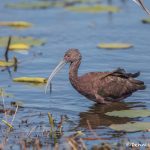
[[63, 30]]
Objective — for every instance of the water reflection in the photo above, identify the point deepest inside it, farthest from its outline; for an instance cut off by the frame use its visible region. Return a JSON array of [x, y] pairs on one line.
[[96, 114]]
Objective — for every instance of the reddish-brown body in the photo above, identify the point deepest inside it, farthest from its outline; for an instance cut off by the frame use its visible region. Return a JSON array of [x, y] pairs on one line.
[[101, 87]]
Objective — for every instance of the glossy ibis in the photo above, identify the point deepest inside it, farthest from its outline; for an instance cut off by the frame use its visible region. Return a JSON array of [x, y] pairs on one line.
[[141, 4], [101, 87]]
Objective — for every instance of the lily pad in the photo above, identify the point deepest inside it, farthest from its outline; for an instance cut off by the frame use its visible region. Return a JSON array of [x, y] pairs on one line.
[[30, 41], [4, 63], [115, 45], [147, 21], [34, 5], [19, 46], [16, 24], [131, 127], [30, 79], [129, 113], [94, 9]]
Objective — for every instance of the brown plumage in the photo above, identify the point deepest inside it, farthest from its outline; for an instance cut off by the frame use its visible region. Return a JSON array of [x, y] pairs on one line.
[[101, 87]]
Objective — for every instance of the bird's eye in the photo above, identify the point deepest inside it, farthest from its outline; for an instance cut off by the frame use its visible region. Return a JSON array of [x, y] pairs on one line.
[[68, 55]]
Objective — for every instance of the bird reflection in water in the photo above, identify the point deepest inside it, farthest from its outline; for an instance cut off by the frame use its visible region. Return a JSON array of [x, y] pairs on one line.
[[96, 115]]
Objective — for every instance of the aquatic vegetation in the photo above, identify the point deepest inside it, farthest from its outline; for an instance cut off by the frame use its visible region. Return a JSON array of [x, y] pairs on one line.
[[130, 113], [48, 4], [131, 126], [30, 41], [7, 111], [36, 123], [93, 9], [19, 46], [30, 79], [7, 123], [4, 93], [34, 5], [16, 24], [4, 63], [103, 146], [114, 45], [146, 21]]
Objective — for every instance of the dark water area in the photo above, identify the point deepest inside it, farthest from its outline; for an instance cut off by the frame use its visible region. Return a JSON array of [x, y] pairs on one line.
[[62, 30]]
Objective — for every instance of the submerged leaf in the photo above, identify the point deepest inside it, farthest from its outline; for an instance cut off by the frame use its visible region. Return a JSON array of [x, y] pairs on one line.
[[30, 79], [16, 24], [93, 9], [30, 41], [129, 113], [34, 5], [19, 46], [115, 45], [131, 127]]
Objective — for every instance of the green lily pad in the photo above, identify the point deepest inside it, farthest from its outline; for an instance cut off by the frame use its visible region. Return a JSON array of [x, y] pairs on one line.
[[131, 126], [11, 63], [16, 24], [147, 20], [129, 113], [94, 9], [30, 79], [34, 5], [114, 45], [30, 41]]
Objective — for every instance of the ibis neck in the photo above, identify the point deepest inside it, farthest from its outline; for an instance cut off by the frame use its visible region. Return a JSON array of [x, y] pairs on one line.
[[73, 71]]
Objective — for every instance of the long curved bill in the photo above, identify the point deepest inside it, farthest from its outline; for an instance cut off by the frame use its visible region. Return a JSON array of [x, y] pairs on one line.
[[54, 72], [141, 4]]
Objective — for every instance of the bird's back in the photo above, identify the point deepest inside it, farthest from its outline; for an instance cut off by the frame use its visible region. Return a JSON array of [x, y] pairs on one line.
[[112, 85]]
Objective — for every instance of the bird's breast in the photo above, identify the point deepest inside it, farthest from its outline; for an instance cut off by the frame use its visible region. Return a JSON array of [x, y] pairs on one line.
[[83, 87]]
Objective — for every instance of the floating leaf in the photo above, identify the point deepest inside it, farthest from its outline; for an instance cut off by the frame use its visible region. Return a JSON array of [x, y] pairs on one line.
[[129, 113], [147, 20], [131, 127], [16, 24], [93, 9], [30, 79], [34, 5], [115, 45], [19, 46], [4, 63], [30, 41]]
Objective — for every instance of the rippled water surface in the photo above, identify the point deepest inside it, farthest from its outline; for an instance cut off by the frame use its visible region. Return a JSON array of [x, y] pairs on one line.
[[63, 30]]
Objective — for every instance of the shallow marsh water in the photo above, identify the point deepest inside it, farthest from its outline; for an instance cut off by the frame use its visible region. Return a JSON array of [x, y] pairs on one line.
[[63, 30]]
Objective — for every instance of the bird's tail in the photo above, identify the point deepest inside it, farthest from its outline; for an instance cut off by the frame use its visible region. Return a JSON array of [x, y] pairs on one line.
[[138, 84], [123, 73]]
